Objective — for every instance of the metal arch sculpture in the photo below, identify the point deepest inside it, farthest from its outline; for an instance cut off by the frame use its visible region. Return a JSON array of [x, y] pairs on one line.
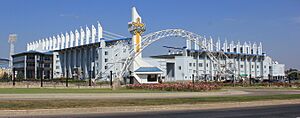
[[155, 36]]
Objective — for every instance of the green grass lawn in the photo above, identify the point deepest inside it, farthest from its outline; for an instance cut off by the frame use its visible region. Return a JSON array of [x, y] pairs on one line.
[[69, 90], [55, 104]]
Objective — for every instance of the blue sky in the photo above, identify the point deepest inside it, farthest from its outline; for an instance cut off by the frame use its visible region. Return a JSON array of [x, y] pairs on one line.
[[275, 23]]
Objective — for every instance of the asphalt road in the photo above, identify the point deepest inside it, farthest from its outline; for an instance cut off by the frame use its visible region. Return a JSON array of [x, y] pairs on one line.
[[277, 111]]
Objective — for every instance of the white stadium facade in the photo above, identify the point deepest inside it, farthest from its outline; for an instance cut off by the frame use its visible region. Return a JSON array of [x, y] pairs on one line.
[[98, 54]]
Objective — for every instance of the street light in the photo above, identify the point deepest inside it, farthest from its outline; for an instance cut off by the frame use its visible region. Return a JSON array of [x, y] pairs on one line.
[[111, 74]]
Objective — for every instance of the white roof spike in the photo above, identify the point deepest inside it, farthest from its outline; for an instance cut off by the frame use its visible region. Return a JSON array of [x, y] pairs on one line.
[[99, 24], [135, 15]]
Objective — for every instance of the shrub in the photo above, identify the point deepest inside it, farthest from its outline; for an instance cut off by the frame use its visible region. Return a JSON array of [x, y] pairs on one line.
[[199, 86]]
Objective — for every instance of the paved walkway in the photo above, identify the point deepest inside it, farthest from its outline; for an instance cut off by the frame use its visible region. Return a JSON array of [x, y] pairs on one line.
[[50, 96], [229, 92]]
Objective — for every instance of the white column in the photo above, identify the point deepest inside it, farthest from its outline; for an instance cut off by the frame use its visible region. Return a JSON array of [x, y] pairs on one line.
[[231, 46], [238, 47], [88, 35], [47, 44], [245, 65], [43, 44], [254, 48], [211, 44], [65, 63], [75, 57], [196, 44], [205, 65], [59, 42], [204, 43], [188, 44], [68, 42], [50, 43], [69, 63], [250, 66], [225, 46], [33, 45], [260, 49], [77, 36], [27, 47], [54, 43], [245, 48], [94, 32], [72, 39], [255, 73], [218, 44], [239, 65], [82, 36], [36, 45], [63, 42], [249, 48], [86, 51], [80, 58], [100, 32], [211, 65]]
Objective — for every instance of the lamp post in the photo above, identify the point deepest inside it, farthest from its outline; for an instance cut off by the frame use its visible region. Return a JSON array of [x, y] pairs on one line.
[[13, 77], [67, 82], [193, 79], [269, 80], [111, 83], [90, 78], [250, 80]]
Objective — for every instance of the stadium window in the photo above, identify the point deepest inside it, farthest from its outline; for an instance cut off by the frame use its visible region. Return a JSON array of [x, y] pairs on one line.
[[105, 53], [105, 67], [200, 64], [190, 64], [105, 60]]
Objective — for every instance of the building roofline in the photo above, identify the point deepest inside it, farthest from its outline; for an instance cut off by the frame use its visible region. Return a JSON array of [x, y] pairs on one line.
[[32, 52]]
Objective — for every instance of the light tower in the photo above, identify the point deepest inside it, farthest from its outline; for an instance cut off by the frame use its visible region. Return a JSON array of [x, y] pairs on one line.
[[11, 40]]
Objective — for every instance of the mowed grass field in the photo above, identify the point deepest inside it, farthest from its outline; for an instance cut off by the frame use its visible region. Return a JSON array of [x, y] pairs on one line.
[[70, 90], [61, 103], [84, 103]]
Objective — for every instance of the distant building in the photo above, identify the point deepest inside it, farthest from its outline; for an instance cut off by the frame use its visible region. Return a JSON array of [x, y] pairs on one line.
[[245, 60], [85, 53], [33, 65], [4, 68], [4, 63]]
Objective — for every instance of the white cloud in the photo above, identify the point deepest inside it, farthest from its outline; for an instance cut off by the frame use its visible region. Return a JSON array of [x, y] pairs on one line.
[[69, 15]]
